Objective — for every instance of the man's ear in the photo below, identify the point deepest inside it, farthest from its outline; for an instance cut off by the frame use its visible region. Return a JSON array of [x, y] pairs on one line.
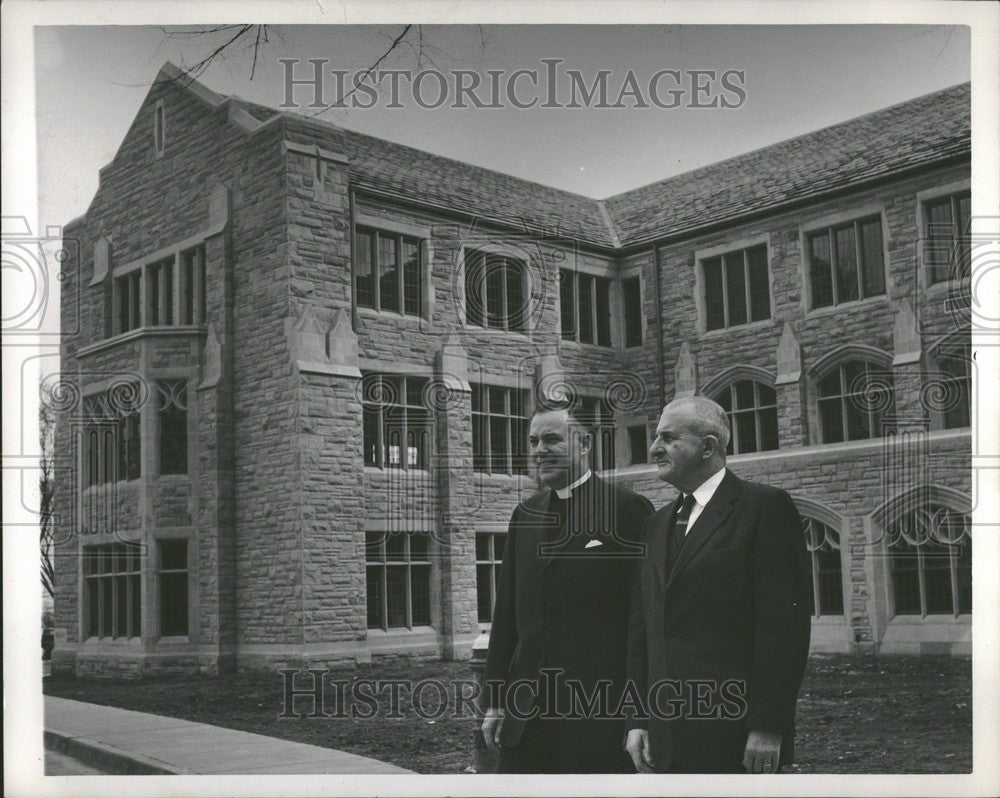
[[585, 441], [712, 446]]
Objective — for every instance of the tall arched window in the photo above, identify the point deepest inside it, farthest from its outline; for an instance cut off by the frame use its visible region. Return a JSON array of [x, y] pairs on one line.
[[752, 410], [930, 548], [852, 399], [823, 544]]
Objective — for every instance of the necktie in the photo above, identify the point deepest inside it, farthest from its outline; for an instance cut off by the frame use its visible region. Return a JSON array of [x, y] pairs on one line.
[[679, 531]]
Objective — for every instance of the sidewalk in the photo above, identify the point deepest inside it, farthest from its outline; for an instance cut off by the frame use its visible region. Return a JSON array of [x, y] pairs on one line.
[[136, 743]]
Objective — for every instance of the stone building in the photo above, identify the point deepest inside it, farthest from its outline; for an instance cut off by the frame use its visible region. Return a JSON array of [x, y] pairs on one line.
[[282, 447]]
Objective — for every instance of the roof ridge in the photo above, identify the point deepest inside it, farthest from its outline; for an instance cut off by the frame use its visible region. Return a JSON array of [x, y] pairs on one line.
[[815, 131]]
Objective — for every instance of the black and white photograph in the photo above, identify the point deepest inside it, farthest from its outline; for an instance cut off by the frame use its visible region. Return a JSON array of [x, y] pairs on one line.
[[453, 399]]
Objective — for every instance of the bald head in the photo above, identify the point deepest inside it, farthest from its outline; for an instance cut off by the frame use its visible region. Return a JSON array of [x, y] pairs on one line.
[[690, 443], [704, 417]]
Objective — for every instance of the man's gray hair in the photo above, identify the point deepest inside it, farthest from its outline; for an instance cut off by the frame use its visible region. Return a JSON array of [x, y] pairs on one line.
[[709, 417]]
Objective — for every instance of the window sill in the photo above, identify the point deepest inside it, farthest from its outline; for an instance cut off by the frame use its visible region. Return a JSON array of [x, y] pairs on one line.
[[762, 324], [873, 301], [500, 476], [920, 620], [829, 620], [389, 471], [395, 315], [142, 332], [946, 287], [416, 631], [475, 328], [610, 348]]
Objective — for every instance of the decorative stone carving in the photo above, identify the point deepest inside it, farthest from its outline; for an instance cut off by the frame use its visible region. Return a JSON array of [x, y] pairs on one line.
[[905, 335], [211, 360], [685, 373], [789, 357], [102, 259], [315, 349], [453, 364]]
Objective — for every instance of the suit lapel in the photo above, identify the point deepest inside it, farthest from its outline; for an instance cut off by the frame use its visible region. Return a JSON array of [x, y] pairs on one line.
[[658, 544], [718, 509], [581, 511]]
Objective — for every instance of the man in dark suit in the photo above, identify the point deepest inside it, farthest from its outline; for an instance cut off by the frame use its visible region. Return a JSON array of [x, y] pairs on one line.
[[720, 615], [561, 613]]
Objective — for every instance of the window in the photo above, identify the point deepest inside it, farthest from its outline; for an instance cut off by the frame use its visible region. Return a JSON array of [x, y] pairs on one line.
[[99, 432], [602, 420], [931, 553], [632, 302], [946, 230], [489, 556], [496, 292], [954, 388], [397, 431], [159, 129], [637, 444], [388, 274], [499, 430], [164, 293], [112, 590], [398, 578], [736, 288], [172, 431], [823, 544], [585, 307], [173, 587], [752, 409], [845, 262], [852, 400]]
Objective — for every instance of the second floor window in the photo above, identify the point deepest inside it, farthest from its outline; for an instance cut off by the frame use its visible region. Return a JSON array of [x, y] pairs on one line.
[[585, 307], [845, 262], [946, 244], [852, 399], [736, 288], [388, 275], [632, 310], [752, 409], [396, 427], [499, 429], [496, 291], [165, 293]]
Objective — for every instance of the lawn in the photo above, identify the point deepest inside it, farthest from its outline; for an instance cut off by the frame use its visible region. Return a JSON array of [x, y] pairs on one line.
[[855, 714]]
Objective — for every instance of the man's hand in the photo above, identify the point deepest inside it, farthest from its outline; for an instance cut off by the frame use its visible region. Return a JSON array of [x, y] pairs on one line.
[[637, 745], [491, 728], [762, 752]]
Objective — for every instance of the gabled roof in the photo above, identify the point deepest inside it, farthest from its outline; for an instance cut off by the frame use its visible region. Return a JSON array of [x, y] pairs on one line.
[[921, 132]]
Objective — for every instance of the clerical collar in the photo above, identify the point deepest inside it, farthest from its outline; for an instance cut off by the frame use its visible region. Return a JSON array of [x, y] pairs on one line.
[[564, 493]]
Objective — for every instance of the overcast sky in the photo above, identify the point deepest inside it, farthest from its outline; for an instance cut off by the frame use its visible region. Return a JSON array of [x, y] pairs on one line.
[[90, 82]]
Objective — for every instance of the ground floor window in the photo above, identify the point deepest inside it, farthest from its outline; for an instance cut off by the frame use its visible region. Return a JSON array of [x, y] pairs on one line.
[[398, 576], [931, 553], [112, 590], [173, 587], [823, 544], [489, 556]]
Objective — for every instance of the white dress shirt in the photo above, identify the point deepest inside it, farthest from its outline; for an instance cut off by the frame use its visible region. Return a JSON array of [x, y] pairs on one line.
[[702, 495], [564, 493]]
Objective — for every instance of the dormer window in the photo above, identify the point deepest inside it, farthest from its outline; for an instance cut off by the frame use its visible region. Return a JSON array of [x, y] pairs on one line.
[[159, 128]]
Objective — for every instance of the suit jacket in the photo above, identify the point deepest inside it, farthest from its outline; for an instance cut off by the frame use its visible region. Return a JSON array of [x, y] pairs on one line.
[[562, 605], [734, 606]]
